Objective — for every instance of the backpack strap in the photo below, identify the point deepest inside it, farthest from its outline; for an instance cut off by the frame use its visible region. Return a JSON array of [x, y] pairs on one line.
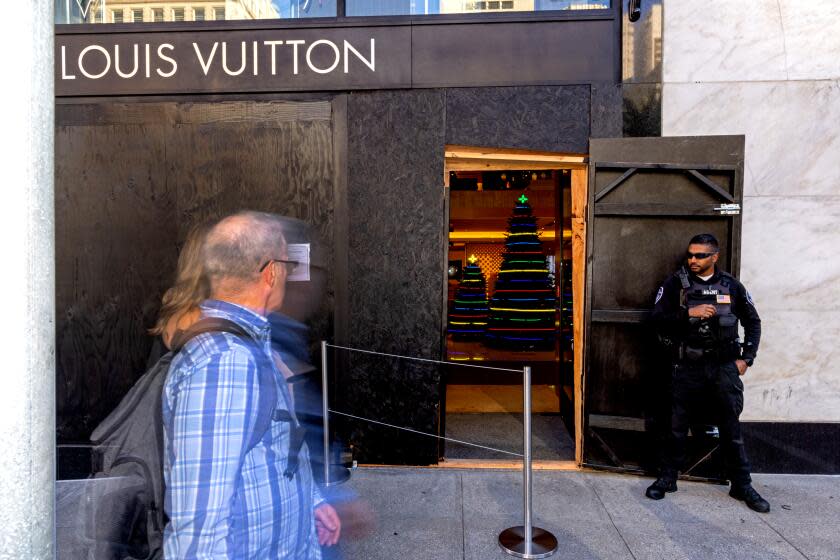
[[265, 372], [267, 411], [206, 325], [268, 398], [265, 407]]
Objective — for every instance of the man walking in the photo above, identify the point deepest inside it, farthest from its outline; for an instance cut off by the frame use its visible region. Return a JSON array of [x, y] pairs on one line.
[[237, 487], [696, 314]]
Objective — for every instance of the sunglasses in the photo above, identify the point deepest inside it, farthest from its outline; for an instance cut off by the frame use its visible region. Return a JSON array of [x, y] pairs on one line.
[[291, 266], [699, 256]]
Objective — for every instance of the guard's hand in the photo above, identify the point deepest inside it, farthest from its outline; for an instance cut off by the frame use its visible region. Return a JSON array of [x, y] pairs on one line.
[[704, 311], [327, 524], [742, 366]]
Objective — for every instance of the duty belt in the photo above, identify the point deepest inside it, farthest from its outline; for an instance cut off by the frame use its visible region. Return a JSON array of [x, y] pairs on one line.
[[691, 354]]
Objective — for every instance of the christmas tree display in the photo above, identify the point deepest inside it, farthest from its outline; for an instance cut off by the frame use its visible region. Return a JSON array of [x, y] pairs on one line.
[[522, 309], [468, 314]]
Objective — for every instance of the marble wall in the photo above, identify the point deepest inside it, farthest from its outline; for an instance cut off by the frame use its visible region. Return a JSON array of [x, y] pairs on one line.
[[770, 69]]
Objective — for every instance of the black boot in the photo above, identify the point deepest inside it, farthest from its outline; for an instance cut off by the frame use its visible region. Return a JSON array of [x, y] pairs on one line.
[[656, 491], [749, 496]]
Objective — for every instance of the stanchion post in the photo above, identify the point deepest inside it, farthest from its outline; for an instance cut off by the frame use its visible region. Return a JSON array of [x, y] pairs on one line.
[[526, 454], [333, 474], [325, 410], [527, 541]]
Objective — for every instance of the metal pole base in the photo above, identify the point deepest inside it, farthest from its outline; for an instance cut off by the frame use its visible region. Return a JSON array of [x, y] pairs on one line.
[[338, 475], [543, 543]]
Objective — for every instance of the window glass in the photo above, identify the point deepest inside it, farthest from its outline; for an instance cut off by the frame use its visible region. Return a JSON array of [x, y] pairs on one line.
[[414, 7], [95, 11]]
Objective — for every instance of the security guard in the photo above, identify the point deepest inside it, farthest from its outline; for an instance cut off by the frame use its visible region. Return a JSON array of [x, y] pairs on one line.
[[696, 315]]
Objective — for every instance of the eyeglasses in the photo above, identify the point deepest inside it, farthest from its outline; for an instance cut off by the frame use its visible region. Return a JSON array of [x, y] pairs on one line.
[[291, 266], [699, 256]]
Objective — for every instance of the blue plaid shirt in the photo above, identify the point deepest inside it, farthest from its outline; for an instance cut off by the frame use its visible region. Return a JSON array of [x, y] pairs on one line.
[[225, 501]]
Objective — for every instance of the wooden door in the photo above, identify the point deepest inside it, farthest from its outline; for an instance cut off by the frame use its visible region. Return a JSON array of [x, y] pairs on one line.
[[647, 198]]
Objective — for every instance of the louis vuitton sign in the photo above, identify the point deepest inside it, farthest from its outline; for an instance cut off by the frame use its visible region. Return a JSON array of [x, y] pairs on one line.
[[301, 59]]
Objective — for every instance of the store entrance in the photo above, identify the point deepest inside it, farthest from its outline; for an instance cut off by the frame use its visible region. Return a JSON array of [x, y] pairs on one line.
[[509, 303]]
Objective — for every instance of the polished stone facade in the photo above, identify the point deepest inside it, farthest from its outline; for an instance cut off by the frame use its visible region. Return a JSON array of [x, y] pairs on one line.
[[770, 70]]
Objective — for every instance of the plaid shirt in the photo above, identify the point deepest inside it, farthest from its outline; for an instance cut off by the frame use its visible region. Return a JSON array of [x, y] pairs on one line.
[[224, 500]]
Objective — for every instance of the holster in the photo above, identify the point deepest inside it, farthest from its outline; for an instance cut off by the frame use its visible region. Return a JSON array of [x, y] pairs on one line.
[[693, 354]]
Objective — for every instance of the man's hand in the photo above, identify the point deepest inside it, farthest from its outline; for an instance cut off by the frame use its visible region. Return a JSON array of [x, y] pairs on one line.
[[742, 366], [703, 311], [327, 524]]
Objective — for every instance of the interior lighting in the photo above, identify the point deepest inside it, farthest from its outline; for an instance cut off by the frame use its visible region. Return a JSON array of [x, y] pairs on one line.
[[500, 235], [522, 310], [522, 338], [521, 329], [520, 291]]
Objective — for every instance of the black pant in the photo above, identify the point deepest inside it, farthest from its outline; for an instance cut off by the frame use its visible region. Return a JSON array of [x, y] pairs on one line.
[[701, 391]]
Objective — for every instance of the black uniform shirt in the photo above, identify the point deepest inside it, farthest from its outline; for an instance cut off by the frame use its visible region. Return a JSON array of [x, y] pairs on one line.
[[671, 318]]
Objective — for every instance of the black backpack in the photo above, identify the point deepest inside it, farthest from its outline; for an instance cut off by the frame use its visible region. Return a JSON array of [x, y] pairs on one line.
[[124, 504]]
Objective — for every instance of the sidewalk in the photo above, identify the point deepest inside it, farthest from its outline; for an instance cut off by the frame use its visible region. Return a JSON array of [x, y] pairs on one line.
[[443, 514]]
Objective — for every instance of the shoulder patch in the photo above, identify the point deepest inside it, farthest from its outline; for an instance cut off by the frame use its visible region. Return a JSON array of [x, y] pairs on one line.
[[662, 291]]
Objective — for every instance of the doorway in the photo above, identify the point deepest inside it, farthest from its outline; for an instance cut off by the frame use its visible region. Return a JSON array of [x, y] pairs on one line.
[[510, 302]]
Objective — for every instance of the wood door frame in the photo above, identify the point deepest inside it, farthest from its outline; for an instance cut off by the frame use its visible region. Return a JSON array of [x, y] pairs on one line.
[[580, 196], [473, 158]]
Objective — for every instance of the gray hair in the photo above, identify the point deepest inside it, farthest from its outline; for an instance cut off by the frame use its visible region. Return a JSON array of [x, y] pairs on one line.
[[239, 245]]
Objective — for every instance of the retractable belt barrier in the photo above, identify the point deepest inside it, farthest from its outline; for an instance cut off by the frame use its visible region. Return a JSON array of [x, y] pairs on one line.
[[523, 541]]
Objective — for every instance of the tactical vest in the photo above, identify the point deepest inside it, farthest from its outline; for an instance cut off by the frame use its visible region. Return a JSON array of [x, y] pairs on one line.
[[718, 335]]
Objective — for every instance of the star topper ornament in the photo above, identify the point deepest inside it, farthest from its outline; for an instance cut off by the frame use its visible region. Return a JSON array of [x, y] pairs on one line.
[[522, 199], [472, 259]]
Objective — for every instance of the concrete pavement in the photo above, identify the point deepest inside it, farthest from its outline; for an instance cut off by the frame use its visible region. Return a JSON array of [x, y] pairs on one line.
[[447, 514]]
